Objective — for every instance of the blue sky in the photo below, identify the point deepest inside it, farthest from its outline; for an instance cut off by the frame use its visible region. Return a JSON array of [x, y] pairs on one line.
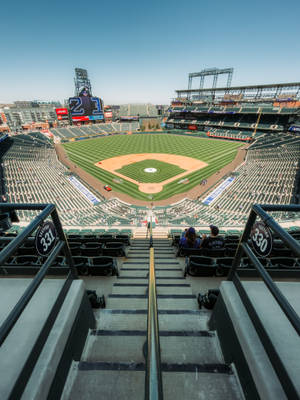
[[141, 52]]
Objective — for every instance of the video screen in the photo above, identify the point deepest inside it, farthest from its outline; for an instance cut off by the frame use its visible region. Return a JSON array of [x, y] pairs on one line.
[[86, 107]]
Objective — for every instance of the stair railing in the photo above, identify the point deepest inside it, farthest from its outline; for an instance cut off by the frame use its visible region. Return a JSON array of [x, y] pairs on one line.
[[153, 378], [286, 307], [60, 245]]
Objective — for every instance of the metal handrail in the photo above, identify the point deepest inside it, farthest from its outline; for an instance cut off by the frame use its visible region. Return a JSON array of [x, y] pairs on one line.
[[153, 378], [47, 209], [288, 310], [290, 241]]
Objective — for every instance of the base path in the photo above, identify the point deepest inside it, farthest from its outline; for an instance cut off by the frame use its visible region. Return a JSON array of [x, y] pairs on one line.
[[187, 163]]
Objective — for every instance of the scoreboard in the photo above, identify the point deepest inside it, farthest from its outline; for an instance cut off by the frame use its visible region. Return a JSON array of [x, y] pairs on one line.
[[86, 108]]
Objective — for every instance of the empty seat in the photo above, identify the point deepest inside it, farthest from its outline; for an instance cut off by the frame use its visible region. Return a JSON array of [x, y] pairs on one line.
[[230, 251], [224, 265], [103, 266], [200, 266], [284, 262], [114, 249], [186, 252], [105, 236], [74, 237], [81, 264], [27, 260], [123, 238], [281, 252], [23, 250], [60, 261], [92, 250], [213, 252], [246, 262]]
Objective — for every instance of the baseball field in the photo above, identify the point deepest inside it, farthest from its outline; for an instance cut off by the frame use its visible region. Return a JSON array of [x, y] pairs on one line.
[[151, 166]]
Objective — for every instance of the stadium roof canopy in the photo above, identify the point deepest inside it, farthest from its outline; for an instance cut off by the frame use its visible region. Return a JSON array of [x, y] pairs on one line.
[[252, 91]]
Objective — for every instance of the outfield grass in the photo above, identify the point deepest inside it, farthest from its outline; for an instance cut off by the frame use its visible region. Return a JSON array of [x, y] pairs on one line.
[[216, 153], [164, 171]]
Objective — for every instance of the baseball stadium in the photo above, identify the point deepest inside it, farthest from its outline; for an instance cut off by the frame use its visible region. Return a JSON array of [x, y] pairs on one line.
[[96, 208]]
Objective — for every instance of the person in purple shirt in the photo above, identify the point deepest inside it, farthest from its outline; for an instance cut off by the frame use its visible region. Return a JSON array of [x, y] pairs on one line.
[[189, 240]]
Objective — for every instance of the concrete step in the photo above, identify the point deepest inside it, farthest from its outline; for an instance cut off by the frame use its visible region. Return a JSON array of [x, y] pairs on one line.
[[145, 258], [144, 290], [91, 381], [199, 348], [145, 263], [108, 320], [145, 280], [123, 320], [156, 249], [200, 385], [109, 346], [145, 266], [177, 347], [101, 384], [168, 273], [128, 303], [165, 273]]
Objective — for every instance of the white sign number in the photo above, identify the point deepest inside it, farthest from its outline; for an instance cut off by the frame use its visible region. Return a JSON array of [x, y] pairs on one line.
[[45, 238], [261, 239]]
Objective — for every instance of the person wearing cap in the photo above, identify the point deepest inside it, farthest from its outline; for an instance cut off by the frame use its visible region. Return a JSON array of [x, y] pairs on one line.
[[213, 241], [189, 240]]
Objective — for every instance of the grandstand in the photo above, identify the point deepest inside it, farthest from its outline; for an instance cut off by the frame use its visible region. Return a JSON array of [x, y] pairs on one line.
[[78, 352], [229, 122], [270, 174], [141, 110]]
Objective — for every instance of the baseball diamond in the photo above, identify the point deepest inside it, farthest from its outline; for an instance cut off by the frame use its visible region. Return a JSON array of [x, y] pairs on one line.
[[174, 157]]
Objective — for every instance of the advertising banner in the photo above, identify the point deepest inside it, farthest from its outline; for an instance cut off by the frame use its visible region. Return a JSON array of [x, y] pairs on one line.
[[89, 195], [218, 191]]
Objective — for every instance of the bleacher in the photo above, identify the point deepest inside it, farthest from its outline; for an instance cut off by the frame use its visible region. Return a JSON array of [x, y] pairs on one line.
[[66, 133]]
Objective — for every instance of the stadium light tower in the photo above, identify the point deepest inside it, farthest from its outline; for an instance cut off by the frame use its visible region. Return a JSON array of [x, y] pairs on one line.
[[215, 72], [81, 80]]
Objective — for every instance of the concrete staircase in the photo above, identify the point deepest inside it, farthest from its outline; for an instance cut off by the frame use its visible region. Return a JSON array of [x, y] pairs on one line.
[[157, 233], [113, 365]]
